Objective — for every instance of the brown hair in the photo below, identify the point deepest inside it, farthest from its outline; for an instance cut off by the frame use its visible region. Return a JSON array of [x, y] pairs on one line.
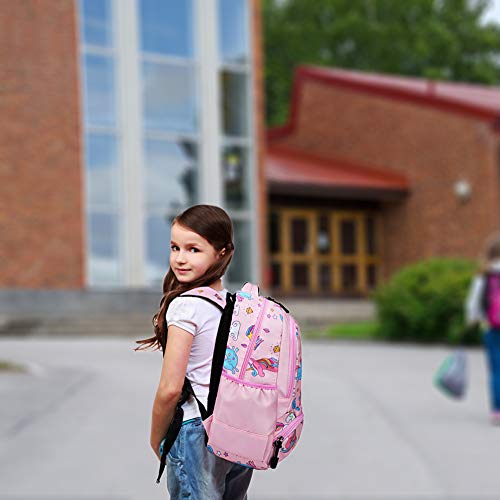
[[491, 251], [212, 223]]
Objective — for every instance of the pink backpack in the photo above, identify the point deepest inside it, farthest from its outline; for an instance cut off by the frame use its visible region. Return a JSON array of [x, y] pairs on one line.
[[254, 414], [491, 299]]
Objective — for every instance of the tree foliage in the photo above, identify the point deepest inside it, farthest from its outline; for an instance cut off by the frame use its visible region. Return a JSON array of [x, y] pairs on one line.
[[439, 39]]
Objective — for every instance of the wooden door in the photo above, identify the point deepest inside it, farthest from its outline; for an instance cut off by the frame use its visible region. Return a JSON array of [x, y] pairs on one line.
[[323, 252]]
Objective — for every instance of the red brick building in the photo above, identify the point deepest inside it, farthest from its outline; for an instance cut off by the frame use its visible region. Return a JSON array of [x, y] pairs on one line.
[[372, 172], [115, 117]]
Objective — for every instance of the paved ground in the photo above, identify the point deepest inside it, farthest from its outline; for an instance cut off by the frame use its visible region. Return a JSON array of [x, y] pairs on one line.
[[77, 427]]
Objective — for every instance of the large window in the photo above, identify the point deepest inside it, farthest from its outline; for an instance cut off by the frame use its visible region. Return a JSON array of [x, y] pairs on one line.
[[169, 97], [233, 31], [95, 23], [169, 122], [101, 139], [236, 129], [167, 27]]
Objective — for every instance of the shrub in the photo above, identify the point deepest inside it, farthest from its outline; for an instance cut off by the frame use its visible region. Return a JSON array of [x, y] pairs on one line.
[[424, 302]]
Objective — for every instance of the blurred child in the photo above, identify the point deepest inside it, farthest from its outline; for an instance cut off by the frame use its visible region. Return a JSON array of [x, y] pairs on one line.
[[483, 307]]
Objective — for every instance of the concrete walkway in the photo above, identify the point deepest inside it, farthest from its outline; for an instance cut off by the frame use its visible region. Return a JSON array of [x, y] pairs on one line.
[[77, 427]]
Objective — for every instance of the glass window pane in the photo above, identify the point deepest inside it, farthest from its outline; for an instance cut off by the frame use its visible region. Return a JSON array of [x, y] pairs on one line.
[[300, 275], [348, 237], [371, 244], [324, 276], [349, 277], [276, 275], [372, 276], [323, 241], [236, 177], [102, 170], [233, 30], [157, 248], [168, 93], [95, 22], [166, 27], [234, 103], [274, 232], [99, 95], [171, 174], [298, 235], [239, 269], [103, 242]]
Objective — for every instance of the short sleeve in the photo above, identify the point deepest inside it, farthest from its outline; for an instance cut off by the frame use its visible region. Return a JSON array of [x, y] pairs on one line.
[[181, 312], [473, 305]]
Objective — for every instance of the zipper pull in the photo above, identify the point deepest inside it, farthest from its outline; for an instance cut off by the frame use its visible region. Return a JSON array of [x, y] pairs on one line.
[[277, 447]]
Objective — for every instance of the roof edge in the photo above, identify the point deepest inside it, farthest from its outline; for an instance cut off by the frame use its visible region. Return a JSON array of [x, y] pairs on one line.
[[304, 73], [397, 177]]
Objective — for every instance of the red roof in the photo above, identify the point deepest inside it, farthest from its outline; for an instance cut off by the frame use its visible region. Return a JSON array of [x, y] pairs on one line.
[[289, 168], [480, 101]]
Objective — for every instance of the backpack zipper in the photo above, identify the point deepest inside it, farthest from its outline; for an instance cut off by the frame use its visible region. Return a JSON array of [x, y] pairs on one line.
[[292, 362], [273, 462], [278, 442], [254, 339]]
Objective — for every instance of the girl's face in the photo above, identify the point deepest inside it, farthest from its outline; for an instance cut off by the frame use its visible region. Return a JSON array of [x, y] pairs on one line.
[[190, 254]]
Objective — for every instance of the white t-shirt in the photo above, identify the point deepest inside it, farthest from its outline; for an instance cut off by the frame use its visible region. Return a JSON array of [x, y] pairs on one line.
[[473, 306], [200, 318]]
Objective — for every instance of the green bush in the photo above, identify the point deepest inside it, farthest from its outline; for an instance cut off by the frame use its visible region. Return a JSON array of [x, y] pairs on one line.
[[424, 302]]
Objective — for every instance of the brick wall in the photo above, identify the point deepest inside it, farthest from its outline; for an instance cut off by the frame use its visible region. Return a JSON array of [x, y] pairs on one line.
[[433, 147], [41, 217]]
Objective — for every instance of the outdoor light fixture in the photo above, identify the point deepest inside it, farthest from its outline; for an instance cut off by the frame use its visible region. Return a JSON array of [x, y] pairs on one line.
[[233, 166], [462, 190]]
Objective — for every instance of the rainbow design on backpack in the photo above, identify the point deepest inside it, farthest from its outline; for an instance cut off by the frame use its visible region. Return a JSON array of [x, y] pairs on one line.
[[289, 443], [258, 366]]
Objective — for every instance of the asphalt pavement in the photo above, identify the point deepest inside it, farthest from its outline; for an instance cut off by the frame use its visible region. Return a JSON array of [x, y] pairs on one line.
[[76, 425]]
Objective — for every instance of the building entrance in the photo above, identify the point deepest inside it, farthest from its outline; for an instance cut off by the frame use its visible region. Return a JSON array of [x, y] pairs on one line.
[[324, 252]]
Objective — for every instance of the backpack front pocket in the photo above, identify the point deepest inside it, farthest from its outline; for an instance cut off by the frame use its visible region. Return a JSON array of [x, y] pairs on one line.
[[285, 441]]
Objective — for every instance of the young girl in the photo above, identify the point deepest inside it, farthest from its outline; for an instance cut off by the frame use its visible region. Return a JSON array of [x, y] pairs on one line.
[[475, 313], [200, 252]]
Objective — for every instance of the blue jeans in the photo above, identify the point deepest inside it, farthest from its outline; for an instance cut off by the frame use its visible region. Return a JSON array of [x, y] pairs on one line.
[[492, 346], [194, 472]]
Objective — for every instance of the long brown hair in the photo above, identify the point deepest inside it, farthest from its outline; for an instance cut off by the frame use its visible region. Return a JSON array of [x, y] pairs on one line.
[[214, 224], [491, 251]]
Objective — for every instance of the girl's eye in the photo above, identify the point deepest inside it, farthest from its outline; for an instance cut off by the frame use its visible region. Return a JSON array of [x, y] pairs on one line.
[[172, 247]]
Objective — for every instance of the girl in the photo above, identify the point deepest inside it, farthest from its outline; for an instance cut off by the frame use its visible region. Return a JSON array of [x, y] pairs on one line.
[[201, 250], [475, 313]]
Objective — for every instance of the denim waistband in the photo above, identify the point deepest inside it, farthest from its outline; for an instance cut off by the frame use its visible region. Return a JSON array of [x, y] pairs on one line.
[[190, 420]]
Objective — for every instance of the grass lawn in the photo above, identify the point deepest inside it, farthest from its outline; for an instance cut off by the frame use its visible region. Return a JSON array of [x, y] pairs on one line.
[[361, 330], [7, 366]]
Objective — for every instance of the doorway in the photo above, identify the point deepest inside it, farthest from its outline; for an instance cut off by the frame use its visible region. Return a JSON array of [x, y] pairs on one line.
[[324, 252]]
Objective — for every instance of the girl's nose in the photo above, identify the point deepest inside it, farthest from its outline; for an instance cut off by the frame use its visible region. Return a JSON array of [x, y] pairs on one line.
[[180, 257]]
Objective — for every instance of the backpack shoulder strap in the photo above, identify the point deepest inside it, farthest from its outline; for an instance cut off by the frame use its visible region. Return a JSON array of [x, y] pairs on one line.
[[208, 294]]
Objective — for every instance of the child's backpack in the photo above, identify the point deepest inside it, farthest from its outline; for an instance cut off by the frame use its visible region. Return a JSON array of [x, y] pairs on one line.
[[491, 298], [254, 415]]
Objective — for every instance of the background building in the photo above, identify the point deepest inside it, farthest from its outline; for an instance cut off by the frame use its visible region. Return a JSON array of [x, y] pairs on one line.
[[373, 172], [117, 115]]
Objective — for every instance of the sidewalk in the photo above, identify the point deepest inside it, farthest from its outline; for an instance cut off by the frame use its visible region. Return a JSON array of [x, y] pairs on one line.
[[375, 426]]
